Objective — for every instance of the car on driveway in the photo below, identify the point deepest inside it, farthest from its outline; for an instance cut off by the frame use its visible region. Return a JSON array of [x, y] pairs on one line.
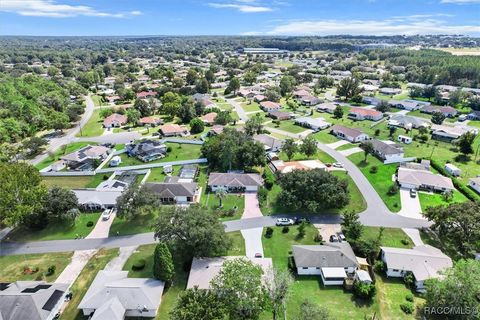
[[341, 237], [284, 222], [258, 255], [413, 193], [333, 238], [106, 214]]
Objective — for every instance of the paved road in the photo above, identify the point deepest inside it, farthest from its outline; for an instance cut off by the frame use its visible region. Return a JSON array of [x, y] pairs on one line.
[[241, 113], [56, 143], [115, 138]]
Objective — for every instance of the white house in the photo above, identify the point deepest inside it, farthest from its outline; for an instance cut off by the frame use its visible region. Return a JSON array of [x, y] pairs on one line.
[[453, 170], [115, 161], [386, 151], [349, 134], [175, 191], [334, 262], [316, 124], [474, 183], [423, 179], [424, 262], [234, 182]]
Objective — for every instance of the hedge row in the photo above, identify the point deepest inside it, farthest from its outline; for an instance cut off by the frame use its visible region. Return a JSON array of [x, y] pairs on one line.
[[469, 193]]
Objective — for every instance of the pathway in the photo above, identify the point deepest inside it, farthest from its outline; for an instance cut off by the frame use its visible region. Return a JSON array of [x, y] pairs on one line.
[[238, 108], [414, 234], [337, 144], [117, 263], [253, 237]]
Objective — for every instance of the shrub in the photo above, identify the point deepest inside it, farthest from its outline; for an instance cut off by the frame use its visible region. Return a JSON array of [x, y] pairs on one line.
[[163, 268], [138, 265], [379, 266], [393, 189], [373, 169], [318, 238], [377, 132], [291, 264], [409, 297], [409, 279], [363, 290], [105, 177], [169, 149], [405, 242], [262, 195], [407, 307], [90, 224], [285, 229], [51, 270], [269, 232], [268, 183]]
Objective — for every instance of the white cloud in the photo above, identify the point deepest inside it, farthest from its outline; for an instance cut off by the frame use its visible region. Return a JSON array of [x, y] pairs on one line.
[[50, 8], [460, 1], [245, 8], [410, 25]]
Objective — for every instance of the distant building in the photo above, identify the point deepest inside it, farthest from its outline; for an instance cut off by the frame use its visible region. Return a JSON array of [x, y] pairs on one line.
[[262, 50], [364, 114], [114, 120]]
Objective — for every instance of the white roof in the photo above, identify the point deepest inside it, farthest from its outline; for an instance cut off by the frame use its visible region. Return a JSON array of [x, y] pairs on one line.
[[86, 196], [112, 310], [363, 276], [423, 177], [334, 272]]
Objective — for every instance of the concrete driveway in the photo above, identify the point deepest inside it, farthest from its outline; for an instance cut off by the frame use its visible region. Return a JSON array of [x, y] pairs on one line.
[[73, 269], [337, 144], [102, 228], [410, 206], [252, 237], [252, 207], [351, 151], [326, 230]]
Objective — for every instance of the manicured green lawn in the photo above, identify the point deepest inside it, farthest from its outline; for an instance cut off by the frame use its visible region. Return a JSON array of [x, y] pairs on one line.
[[357, 202], [229, 201], [320, 155], [474, 123], [139, 224], [418, 113], [325, 137], [436, 199], [346, 146], [66, 149], [76, 182], [157, 175], [94, 126], [391, 292], [341, 305], [238, 244], [250, 107], [12, 267], [179, 152], [392, 237], [84, 280], [98, 100], [381, 181], [287, 125], [57, 231]]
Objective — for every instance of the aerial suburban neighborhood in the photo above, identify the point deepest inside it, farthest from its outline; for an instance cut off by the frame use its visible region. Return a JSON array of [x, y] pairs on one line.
[[271, 176]]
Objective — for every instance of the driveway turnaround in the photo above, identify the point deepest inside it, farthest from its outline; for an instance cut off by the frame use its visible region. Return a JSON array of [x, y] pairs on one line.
[[410, 206]]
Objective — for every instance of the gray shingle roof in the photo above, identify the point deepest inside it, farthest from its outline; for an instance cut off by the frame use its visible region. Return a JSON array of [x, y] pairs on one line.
[[330, 255], [234, 179], [167, 189]]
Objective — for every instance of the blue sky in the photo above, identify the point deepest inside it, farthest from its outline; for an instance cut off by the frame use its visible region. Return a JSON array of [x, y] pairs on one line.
[[239, 17]]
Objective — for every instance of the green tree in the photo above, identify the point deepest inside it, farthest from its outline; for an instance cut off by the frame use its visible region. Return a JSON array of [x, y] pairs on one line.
[[323, 83], [312, 190], [310, 311], [220, 193], [438, 117], [196, 126], [383, 106], [234, 85], [465, 143], [309, 146], [202, 86], [171, 103], [289, 148], [22, 192], [223, 117], [133, 116], [58, 202], [287, 83], [254, 125], [143, 107], [349, 87], [193, 231], [278, 284], [186, 111], [163, 268], [133, 200], [367, 149], [250, 78], [351, 226], [239, 286], [458, 288], [199, 305], [192, 76], [338, 112]]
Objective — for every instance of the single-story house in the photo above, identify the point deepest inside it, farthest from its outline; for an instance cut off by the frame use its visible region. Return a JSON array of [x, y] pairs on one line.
[[474, 183], [407, 122], [146, 94], [447, 133], [424, 262], [209, 118], [316, 124], [371, 100], [285, 167], [301, 93], [115, 120], [404, 104], [326, 107], [423, 179], [174, 192], [349, 134], [390, 91], [203, 270], [259, 98], [268, 106], [364, 114], [446, 111], [31, 300], [309, 100], [215, 130], [279, 115], [150, 121], [387, 151], [84, 158], [234, 182], [147, 150], [332, 261], [270, 143], [114, 296], [170, 130], [94, 200], [474, 115], [404, 139]]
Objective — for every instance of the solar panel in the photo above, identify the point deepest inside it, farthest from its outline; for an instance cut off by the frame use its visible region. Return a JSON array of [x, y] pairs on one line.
[[52, 301], [35, 289], [4, 285]]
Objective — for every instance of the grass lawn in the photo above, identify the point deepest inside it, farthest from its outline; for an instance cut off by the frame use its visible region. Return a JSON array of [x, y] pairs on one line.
[[474, 123], [391, 292], [93, 127], [84, 280], [139, 224], [12, 267], [250, 107], [325, 137], [381, 181], [179, 152], [287, 125], [230, 201], [392, 237], [320, 155], [357, 202], [157, 174], [76, 182], [346, 146], [66, 149], [436, 199], [57, 231], [98, 100], [341, 305]]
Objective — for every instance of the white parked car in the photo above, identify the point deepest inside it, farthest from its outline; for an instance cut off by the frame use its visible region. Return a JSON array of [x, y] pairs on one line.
[[106, 214], [338, 165], [285, 222]]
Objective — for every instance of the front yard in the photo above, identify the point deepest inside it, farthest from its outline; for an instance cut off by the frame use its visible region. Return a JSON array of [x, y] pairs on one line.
[[287, 125], [94, 126]]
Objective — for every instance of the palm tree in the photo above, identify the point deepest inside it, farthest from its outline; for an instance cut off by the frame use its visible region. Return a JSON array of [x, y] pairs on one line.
[[220, 193]]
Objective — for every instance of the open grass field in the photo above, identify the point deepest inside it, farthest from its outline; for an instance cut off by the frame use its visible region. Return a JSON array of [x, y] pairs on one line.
[[84, 280], [179, 152], [57, 231], [436, 199], [76, 182], [12, 267], [462, 51], [66, 149], [392, 237], [93, 127], [381, 181], [341, 304]]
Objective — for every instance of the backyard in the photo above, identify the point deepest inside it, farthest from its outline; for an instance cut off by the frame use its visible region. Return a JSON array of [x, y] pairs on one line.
[[76, 182], [437, 199], [178, 152]]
